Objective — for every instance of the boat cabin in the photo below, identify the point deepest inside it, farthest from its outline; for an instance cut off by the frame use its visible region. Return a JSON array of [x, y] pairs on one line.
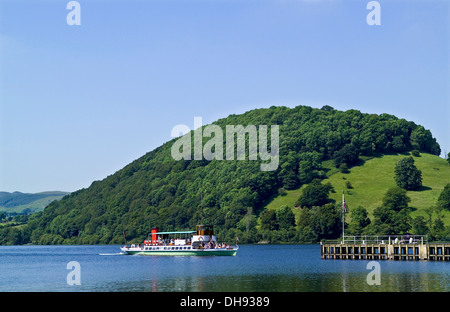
[[203, 235], [205, 230]]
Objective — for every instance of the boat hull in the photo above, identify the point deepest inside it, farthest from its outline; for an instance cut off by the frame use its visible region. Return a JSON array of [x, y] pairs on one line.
[[192, 252]]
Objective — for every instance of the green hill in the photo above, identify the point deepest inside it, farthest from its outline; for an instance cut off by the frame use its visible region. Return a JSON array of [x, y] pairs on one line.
[[20, 203], [157, 190], [371, 180]]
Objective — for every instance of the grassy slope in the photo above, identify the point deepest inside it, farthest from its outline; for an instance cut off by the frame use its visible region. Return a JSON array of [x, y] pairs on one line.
[[37, 205], [371, 181]]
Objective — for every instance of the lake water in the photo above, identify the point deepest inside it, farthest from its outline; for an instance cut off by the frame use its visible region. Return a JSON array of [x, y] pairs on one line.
[[255, 268]]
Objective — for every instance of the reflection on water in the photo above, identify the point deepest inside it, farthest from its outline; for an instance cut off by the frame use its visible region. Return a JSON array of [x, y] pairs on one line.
[[282, 283], [259, 283], [267, 268]]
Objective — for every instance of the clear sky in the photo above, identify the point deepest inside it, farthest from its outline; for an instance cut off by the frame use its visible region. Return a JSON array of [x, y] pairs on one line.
[[78, 103]]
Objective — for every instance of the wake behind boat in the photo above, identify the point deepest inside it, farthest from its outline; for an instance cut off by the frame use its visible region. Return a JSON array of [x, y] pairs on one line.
[[183, 243]]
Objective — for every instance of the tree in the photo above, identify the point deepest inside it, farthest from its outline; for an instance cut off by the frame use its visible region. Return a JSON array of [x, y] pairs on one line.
[[327, 108], [306, 172], [247, 222], [393, 217], [359, 221], [422, 140], [268, 220], [387, 221], [288, 173], [289, 179], [348, 155], [419, 225], [429, 220], [343, 168], [315, 194], [326, 220], [438, 229], [397, 143], [444, 198], [382, 220], [396, 199], [285, 218], [407, 176]]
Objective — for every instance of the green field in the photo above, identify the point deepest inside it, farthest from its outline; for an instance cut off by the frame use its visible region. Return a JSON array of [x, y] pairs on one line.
[[371, 180], [35, 206], [27, 202]]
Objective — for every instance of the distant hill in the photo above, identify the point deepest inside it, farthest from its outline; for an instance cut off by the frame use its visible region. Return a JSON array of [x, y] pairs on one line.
[[27, 202], [156, 190]]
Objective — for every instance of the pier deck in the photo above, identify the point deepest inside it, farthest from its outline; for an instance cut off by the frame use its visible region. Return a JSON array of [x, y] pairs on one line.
[[385, 248]]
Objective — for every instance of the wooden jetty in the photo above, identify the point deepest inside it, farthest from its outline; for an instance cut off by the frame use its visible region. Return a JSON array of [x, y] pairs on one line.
[[393, 247]]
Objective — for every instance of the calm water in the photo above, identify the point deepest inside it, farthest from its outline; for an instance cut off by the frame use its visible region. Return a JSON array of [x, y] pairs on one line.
[[262, 268]]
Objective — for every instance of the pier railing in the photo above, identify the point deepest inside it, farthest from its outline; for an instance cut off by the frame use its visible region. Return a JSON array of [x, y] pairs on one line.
[[380, 239], [385, 247]]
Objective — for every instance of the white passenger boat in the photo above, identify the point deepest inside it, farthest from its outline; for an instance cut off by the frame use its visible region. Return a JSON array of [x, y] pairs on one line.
[[201, 242]]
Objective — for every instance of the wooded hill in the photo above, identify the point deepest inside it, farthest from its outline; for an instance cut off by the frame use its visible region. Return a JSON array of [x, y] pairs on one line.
[[158, 191]]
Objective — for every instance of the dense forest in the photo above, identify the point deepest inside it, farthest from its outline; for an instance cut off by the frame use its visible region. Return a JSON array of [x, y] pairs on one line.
[[158, 191]]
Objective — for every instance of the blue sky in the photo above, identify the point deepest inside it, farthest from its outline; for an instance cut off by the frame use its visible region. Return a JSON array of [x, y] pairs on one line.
[[78, 103]]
